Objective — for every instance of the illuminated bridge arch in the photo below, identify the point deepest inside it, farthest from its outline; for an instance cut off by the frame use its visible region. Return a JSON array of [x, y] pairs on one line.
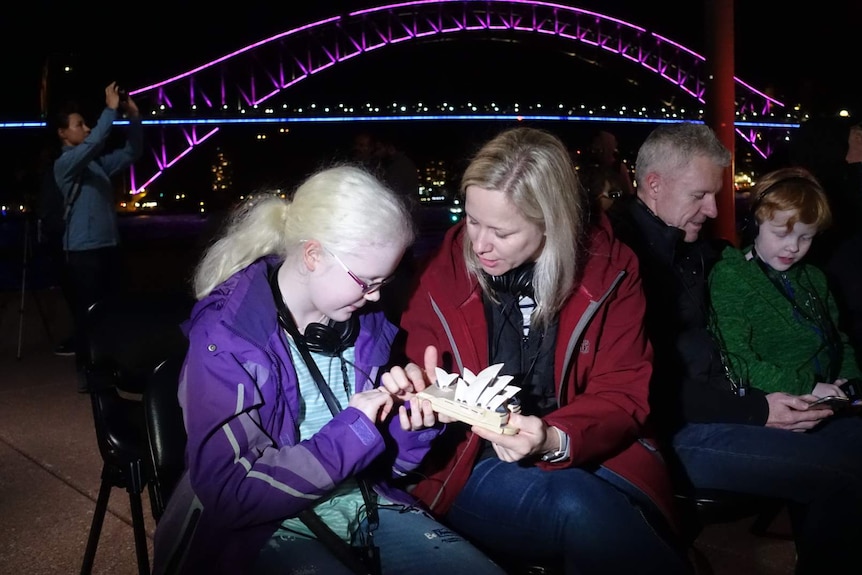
[[257, 73]]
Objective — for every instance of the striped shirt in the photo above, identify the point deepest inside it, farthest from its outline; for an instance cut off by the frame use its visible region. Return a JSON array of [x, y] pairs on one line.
[[341, 509]]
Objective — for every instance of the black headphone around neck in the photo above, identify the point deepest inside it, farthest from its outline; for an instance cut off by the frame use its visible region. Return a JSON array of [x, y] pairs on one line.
[[329, 339], [517, 281]]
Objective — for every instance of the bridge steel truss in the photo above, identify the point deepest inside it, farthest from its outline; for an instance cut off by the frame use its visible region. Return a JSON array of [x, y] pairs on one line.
[[255, 74]]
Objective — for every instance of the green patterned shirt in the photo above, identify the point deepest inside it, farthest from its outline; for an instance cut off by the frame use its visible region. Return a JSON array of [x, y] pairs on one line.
[[772, 341]]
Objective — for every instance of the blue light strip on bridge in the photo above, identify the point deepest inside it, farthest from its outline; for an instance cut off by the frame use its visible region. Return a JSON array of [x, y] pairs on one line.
[[413, 118]]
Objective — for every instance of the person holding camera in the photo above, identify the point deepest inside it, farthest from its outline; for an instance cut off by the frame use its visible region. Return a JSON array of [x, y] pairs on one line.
[[83, 172]]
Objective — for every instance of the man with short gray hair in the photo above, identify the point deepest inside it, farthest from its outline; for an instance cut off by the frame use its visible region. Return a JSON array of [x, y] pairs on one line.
[[724, 435]]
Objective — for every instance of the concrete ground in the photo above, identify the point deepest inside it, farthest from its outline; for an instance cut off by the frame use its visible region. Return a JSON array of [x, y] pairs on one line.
[[50, 465]]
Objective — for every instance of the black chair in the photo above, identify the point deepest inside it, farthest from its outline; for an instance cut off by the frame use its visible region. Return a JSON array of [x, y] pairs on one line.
[[702, 507], [165, 432], [127, 341]]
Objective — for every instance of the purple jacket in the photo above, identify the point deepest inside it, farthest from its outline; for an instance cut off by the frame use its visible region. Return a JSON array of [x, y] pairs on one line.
[[245, 470]]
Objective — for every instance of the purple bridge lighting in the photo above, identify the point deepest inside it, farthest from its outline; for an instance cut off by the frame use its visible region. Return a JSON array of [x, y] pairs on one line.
[[257, 73]]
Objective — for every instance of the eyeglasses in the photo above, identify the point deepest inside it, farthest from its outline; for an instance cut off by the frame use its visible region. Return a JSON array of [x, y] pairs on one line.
[[366, 287]]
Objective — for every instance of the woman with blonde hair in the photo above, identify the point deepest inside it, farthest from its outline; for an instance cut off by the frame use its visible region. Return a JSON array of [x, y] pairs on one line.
[[524, 282]]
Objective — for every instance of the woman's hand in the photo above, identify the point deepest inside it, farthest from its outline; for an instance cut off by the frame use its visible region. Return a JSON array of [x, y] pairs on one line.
[[419, 416], [532, 438]]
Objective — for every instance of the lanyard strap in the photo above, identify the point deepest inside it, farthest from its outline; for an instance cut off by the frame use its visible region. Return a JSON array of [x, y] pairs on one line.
[[315, 524], [817, 319]]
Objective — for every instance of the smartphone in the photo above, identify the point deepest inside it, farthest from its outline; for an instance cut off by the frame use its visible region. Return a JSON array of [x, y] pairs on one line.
[[833, 402]]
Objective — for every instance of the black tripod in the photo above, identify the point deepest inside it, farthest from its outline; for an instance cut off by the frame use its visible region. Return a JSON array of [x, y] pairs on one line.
[[30, 241]]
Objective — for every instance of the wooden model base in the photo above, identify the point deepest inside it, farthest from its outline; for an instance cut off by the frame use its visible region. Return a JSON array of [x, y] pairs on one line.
[[443, 401]]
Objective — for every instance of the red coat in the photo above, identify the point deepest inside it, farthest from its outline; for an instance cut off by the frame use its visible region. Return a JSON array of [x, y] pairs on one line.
[[602, 366]]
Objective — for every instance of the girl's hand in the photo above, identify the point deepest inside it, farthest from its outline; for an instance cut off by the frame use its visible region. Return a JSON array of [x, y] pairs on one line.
[[375, 404], [404, 383]]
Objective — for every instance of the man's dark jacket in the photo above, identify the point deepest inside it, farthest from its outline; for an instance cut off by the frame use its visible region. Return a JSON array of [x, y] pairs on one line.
[[689, 381]]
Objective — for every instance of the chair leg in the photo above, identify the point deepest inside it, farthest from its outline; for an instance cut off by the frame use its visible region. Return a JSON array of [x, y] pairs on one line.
[[135, 483], [699, 561], [96, 524], [140, 533], [765, 518]]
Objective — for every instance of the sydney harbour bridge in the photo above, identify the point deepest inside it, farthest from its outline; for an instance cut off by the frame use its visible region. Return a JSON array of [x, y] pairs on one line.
[[184, 111]]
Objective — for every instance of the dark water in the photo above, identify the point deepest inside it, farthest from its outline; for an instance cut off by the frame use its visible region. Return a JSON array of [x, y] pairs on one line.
[[160, 251]]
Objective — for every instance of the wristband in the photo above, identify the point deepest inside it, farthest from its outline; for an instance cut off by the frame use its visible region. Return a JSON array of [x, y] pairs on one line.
[[562, 453]]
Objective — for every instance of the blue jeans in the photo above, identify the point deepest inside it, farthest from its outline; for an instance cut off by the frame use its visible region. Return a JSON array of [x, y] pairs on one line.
[[818, 472], [593, 522], [410, 541]]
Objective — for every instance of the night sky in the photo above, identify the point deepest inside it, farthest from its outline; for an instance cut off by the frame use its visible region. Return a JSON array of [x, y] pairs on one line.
[[789, 51], [777, 46]]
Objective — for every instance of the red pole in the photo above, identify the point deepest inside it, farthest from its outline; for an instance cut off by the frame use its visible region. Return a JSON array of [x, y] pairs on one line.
[[43, 88], [720, 108]]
